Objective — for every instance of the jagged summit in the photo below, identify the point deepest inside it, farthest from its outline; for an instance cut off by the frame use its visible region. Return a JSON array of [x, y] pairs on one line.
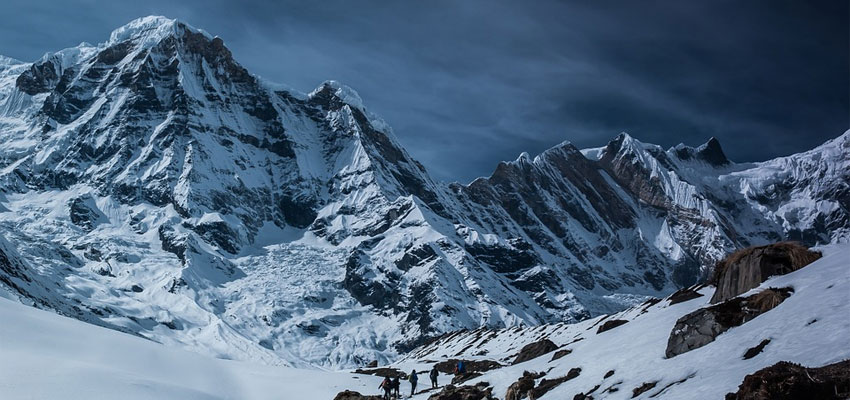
[[709, 152]]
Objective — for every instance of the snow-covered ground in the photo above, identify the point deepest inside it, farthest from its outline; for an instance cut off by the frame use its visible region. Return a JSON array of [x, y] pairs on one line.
[[47, 356]]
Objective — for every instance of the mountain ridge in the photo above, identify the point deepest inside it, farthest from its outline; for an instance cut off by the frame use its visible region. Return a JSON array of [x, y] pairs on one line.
[[153, 185]]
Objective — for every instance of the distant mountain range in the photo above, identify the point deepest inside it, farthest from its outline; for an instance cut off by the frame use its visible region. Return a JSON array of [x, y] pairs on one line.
[[153, 185]]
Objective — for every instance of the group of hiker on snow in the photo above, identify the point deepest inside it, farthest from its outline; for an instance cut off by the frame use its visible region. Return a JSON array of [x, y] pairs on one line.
[[392, 386]]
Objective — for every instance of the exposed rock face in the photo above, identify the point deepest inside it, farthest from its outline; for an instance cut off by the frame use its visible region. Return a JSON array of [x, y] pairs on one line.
[[534, 350], [789, 381], [748, 268], [84, 213], [702, 326]]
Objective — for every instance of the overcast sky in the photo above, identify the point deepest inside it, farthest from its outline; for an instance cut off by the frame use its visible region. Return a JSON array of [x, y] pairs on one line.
[[466, 84]]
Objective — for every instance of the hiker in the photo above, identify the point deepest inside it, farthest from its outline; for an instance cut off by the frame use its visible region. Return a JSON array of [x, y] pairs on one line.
[[460, 368], [434, 374], [387, 385], [413, 379], [396, 386]]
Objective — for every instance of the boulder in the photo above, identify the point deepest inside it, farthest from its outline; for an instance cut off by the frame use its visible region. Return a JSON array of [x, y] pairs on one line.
[[747, 268], [461, 378], [683, 295], [560, 353], [702, 326], [645, 387], [546, 385], [480, 391], [534, 350], [611, 324], [789, 381], [522, 387], [352, 395]]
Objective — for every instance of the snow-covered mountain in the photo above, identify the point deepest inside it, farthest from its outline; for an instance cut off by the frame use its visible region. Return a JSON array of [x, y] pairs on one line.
[[151, 184]]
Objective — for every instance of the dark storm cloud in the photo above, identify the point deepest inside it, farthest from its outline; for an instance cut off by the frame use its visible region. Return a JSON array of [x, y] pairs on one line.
[[466, 84]]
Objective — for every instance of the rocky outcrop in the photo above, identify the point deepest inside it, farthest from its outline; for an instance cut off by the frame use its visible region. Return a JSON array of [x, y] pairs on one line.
[[352, 395], [480, 391], [461, 378], [789, 381], [534, 350], [84, 212], [448, 366], [611, 324], [702, 326], [645, 387], [523, 387], [546, 385], [385, 372], [748, 268], [683, 295], [756, 350]]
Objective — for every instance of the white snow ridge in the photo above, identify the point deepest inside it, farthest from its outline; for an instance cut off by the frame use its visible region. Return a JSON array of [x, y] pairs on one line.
[[240, 240]]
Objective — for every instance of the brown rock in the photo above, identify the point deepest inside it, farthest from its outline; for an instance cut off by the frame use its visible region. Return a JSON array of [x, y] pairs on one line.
[[560, 353], [352, 395], [683, 295], [647, 386], [522, 387], [546, 385], [788, 381], [748, 268], [702, 326], [534, 350], [461, 378], [448, 366], [481, 391], [611, 324]]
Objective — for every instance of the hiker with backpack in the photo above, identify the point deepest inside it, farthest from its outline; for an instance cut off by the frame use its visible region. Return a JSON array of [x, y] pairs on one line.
[[387, 385], [434, 374], [413, 379], [460, 368]]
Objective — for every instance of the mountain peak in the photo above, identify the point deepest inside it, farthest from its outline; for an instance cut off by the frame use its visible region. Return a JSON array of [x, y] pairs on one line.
[[712, 153], [709, 152], [150, 30]]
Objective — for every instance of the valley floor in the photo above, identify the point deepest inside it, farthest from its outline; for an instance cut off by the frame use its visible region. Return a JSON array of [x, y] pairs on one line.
[[47, 356]]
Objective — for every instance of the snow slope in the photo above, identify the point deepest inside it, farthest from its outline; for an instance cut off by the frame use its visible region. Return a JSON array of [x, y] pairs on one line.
[[811, 328], [47, 356]]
